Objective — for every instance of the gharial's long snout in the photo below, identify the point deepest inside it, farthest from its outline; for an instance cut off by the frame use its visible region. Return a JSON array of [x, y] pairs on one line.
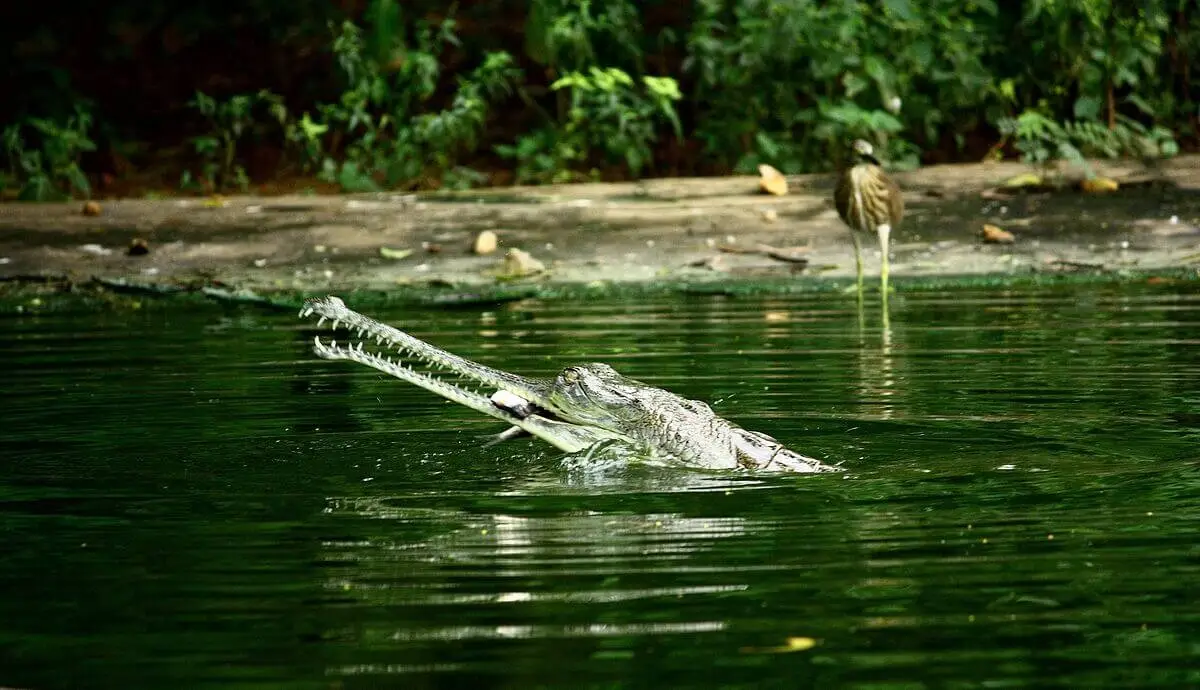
[[396, 353]]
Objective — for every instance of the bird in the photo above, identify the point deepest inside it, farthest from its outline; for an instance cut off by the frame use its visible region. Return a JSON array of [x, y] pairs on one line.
[[869, 202]]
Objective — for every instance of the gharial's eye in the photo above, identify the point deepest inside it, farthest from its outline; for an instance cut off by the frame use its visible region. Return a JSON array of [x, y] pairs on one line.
[[570, 375]]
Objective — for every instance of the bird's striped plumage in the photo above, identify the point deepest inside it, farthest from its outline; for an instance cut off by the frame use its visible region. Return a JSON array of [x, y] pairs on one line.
[[867, 198], [869, 202]]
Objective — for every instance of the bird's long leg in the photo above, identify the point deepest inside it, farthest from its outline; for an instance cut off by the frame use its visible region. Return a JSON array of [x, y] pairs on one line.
[[884, 232], [858, 262]]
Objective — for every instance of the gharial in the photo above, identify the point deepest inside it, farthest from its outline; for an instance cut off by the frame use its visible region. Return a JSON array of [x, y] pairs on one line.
[[869, 202], [582, 408]]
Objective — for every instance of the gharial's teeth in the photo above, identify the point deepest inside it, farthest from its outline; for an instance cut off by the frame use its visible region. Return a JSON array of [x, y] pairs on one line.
[[321, 321], [337, 324]]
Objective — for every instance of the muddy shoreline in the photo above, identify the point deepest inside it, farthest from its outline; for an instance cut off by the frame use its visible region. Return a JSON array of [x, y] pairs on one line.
[[715, 232]]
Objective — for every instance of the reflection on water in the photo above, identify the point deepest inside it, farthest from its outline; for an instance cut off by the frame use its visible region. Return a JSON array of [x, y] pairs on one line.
[[191, 499]]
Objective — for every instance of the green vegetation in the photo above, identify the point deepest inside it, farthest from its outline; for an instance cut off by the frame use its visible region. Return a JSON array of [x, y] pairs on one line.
[[142, 97]]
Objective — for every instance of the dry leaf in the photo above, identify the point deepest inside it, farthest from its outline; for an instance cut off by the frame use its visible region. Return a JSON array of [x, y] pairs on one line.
[[1099, 185], [486, 242], [995, 235], [771, 180], [1022, 181], [395, 254]]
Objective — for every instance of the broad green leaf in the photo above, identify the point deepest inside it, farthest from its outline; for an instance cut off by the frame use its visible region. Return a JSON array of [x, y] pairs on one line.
[[1087, 107]]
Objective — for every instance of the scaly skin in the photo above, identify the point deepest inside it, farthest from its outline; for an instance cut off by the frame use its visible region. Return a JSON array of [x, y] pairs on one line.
[[583, 406]]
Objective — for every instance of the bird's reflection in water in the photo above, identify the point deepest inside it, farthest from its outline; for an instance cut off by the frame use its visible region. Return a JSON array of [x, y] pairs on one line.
[[876, 365]]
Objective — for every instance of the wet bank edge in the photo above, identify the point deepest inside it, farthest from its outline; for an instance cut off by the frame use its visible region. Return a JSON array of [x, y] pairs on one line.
[[706, 236]]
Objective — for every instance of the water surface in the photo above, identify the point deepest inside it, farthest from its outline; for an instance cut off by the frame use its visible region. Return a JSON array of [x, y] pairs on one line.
[[190, 499]]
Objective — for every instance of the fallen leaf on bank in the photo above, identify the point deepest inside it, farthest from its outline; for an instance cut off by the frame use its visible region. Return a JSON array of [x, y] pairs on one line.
[[771, 180], [486, 242], [96, 249], [395, 254], [995, 235], [1099, 185], [1023, 181]]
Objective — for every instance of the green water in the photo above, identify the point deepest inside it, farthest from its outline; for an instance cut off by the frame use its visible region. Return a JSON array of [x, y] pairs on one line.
[[189, 499]]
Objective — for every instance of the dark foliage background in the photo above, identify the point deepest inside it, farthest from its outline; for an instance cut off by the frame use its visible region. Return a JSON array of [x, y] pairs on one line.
[[135, 96]]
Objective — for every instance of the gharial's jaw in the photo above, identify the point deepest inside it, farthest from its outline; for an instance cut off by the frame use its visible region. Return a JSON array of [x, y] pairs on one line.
[[362, 330]]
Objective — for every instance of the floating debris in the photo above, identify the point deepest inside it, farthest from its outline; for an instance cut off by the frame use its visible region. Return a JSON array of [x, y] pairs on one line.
[[790, 645], [91, 208], [138, 247]]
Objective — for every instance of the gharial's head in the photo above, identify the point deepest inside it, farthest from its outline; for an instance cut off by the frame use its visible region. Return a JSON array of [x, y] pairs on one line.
[[595, 394]]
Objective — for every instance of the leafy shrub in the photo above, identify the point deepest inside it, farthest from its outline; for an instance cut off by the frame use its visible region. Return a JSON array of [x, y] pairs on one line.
[[43, 157]]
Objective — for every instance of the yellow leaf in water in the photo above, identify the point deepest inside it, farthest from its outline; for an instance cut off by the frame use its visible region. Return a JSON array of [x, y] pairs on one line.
[[792, 644], [799, 644]]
